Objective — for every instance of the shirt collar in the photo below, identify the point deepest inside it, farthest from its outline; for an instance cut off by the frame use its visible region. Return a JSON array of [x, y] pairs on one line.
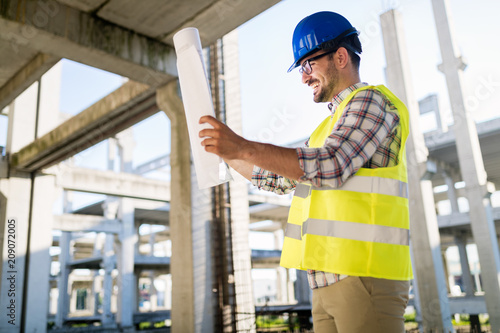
[[337, 99]]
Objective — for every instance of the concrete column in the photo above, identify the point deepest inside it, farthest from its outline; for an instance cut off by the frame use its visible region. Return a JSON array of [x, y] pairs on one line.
[[125, 265], [126, 144], [108, 264], [43, 196], [181, 263], [16, 205], [38, 286], [281, 276], [416, 294], [303, 292], [425, 240], [290, 293], [72, 297], [471, 164], [446, 272], [279, 284], [151, 241], [464, 264], [62, 280], [240, 216], [111, 153], [452, 195], [202, 258]]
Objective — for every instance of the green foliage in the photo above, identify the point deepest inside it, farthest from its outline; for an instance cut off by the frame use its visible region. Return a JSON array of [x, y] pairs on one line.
[[271, 321], [148, 325], [410, 317]]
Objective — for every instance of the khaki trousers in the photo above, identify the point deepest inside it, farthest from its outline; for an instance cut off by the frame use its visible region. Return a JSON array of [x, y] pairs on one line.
[[360, 304]]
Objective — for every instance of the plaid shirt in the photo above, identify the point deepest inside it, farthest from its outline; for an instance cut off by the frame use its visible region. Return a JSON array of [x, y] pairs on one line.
[[366, 135]]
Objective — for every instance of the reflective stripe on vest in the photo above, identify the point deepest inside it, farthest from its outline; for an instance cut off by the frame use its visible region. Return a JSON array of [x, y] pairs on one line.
[[350, 230], [360, 228], [363, 184]]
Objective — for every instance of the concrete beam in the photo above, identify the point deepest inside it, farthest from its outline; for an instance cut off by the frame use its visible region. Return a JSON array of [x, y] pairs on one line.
[[265, 258], [231, 14], [89, 263], [124, 107], [25, 77], [54, 28], [114, 184], [155, 164], [85, 223], [470, 305]]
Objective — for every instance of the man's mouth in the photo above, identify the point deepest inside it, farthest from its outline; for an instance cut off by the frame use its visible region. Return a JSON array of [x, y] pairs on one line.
[[315, 87]]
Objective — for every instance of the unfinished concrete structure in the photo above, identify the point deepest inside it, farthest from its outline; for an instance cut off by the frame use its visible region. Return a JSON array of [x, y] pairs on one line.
[[172, 256]]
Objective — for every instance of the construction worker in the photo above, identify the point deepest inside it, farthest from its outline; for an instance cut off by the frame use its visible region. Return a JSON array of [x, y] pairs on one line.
[[348, 224]]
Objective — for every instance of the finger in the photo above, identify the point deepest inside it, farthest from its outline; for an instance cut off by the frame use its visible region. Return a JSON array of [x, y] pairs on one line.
[[209, 132], [208, 142], [209, 120]]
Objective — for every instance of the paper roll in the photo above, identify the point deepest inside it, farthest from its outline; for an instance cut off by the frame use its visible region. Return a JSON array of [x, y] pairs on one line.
[[197, 99]]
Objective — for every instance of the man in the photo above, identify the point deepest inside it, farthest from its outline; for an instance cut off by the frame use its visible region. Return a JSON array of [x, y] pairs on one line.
[[348, 224]]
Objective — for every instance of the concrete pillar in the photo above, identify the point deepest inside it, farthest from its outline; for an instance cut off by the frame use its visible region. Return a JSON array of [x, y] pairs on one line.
[[445, 268], [43, 197], [126, 144], [303, 292], [112, 145], [416, 294], [125, 265], [425, 240], [471, 164], [464, 264], [202, 258], [108, 264], [290, 292], [26, 202], [16, 205], [452, 195], [280, 295], [38, 286], [151, 241], [181, 263], [72, 296], [62, 279], [153, 292], [240, 216]]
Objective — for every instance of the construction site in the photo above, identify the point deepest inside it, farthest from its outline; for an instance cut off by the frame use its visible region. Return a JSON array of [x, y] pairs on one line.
[[150, 251]]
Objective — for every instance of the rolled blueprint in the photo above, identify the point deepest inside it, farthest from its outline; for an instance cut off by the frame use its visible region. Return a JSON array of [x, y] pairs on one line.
[[197, 99]]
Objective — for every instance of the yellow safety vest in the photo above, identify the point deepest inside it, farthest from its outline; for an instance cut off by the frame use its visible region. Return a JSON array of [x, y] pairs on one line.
[[360, 228]]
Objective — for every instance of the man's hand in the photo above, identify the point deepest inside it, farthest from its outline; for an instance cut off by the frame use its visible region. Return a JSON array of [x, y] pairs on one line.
[[222, 141], [243, 154]]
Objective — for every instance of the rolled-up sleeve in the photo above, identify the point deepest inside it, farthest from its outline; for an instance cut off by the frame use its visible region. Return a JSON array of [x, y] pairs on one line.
[[272, 182]]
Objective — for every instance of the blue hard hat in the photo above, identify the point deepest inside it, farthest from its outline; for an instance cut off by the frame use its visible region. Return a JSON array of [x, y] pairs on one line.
[[316, 29]]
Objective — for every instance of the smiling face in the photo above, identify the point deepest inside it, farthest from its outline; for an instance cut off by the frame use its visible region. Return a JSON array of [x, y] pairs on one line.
[[324, 78]]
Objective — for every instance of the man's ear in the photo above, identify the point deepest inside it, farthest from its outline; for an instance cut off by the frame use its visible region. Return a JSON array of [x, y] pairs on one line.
[[341, 58]]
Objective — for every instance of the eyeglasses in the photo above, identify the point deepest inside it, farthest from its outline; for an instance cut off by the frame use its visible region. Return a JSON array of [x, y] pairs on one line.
[[306, 65]]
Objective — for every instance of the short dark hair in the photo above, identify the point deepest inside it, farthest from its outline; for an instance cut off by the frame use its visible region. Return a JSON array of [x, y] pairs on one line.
[[351, 43]]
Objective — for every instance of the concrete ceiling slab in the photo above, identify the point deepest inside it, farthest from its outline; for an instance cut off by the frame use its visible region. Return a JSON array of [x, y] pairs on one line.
[[14, 57], [153, 18], [83, 5]]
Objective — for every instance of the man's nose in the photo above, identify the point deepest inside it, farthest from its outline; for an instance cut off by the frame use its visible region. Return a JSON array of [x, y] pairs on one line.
[[305, 77]]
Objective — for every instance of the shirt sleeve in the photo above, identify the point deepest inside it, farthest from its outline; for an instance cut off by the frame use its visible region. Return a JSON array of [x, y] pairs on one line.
[[272, 182], [353, 141]]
